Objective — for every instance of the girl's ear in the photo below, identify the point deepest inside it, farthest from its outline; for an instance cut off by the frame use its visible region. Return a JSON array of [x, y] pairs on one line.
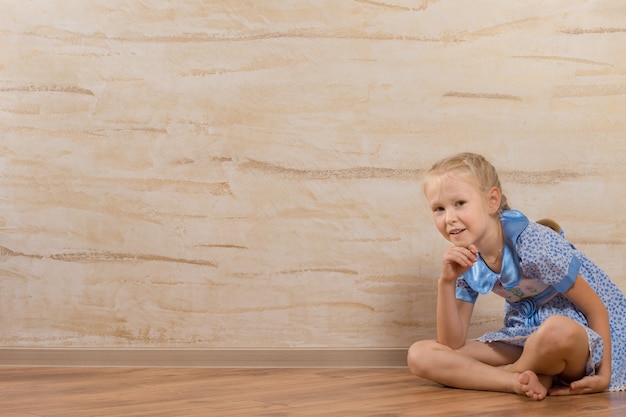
[[494, 198]]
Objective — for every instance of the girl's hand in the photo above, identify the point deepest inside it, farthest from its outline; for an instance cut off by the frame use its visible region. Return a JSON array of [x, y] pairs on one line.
[[457, 260], [587, 385]]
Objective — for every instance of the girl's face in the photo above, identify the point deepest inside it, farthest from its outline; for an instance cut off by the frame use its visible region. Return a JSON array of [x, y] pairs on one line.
[[462, 213]]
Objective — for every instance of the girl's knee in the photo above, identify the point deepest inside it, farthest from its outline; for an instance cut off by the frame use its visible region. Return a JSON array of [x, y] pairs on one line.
[[558, 332], [419, 357]]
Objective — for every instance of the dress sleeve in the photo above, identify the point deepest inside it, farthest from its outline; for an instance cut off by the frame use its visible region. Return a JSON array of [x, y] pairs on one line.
[[547, 256], [465, 292]]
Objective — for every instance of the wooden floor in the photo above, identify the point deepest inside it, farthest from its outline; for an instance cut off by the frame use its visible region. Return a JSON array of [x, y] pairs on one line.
[[169, 392]]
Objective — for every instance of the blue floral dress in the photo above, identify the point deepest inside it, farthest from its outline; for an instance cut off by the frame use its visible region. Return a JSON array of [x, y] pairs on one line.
[[538, 265]]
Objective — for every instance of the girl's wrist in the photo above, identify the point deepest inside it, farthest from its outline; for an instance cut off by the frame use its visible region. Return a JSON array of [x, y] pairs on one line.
[[446, 281]]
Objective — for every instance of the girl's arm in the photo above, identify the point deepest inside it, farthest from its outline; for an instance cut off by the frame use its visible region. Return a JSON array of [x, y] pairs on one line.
[[586, 299], [453, 316]]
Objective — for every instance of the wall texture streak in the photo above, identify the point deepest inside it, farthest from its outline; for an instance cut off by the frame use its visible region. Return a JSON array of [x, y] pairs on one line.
[[217, 174]]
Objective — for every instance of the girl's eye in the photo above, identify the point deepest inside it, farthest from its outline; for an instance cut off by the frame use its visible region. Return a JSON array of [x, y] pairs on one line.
[[437, 209], [460, 203]]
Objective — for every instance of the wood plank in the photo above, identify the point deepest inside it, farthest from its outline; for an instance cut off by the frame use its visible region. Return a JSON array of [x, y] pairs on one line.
[[167, 392]]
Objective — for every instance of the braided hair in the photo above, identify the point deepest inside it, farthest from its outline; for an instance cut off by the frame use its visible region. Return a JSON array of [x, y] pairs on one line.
[[472, 167]]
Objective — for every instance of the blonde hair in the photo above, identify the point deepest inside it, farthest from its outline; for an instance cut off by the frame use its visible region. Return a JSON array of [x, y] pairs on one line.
[[472, 167]]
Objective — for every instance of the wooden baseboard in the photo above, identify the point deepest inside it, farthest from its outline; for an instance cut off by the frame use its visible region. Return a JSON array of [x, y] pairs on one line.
[[209, 358]]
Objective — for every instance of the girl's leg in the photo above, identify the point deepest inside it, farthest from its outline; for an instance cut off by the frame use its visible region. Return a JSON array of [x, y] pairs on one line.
[[493, 353], [461, 368], [559, 347]]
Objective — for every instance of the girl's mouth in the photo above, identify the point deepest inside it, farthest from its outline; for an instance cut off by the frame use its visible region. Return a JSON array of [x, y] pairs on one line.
[[457, 231]]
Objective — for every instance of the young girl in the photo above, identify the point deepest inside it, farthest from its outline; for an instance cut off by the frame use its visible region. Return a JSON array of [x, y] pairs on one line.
[[564, 319]]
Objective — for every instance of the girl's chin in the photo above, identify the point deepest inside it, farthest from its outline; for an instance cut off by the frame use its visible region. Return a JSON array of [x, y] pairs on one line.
[[458, 240]]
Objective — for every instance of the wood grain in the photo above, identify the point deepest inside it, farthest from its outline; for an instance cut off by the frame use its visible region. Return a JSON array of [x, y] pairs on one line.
[[171, 392]]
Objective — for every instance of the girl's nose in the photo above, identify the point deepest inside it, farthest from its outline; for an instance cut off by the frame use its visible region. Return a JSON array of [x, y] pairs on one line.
[[450, 216]]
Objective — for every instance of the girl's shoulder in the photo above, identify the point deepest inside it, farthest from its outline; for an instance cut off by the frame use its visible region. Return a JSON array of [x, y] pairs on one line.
[[517, 225], [542, 232], [539, 239]]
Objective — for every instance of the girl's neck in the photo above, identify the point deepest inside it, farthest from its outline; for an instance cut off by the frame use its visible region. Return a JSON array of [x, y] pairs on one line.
[[491, 251]]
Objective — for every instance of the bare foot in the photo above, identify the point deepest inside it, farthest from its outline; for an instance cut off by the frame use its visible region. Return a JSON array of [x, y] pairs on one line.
[[532, 386]]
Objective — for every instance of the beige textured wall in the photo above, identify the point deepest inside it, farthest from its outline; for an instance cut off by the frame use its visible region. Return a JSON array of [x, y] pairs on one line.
[[247, 174]]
